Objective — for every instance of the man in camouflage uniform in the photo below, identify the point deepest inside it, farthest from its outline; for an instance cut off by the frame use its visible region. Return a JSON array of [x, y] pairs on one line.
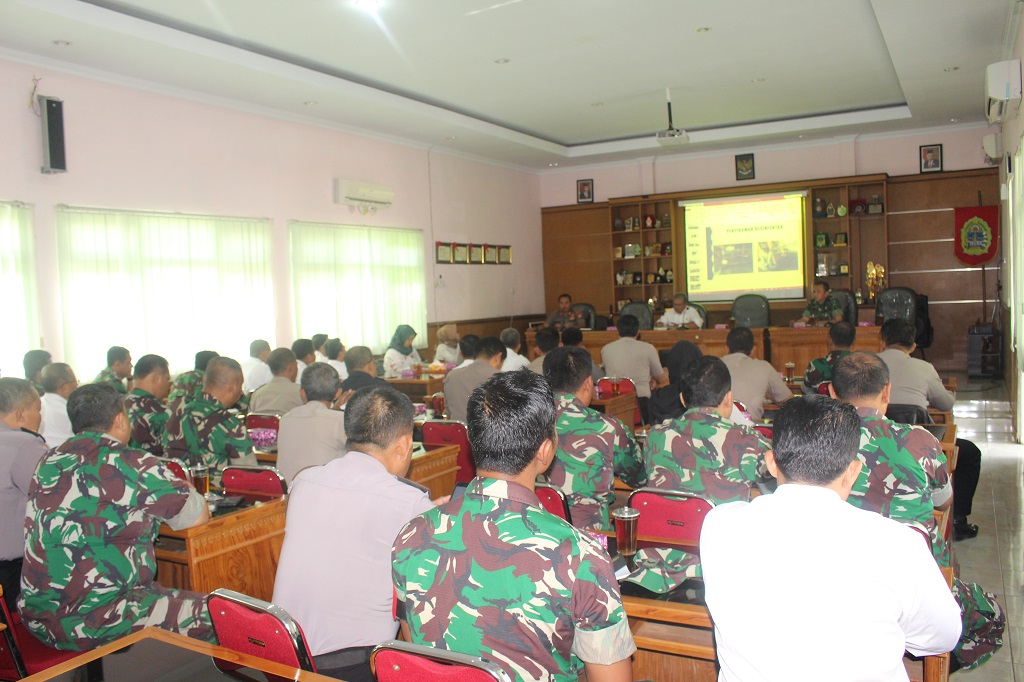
[[492, 574], [704, 452], [592, 447], [94, 510], [841, 336], [188, 386], [119, 368], [145, 404], [904, 474], [204, 431], [822, 308]]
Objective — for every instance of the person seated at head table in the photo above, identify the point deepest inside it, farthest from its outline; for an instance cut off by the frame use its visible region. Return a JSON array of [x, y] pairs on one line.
[[447, 352], [513, 343], [21, 448], [314, 433], [704, 452], [318, 341], [281, 393], [255, 368], [681, 315], [33, 363], [665, 402], [462, 381], [753, 381], [636, 360], [841, 336], [205, 432], [400, 355], [573, 338], [119, 368], [88, 574], [334, 575], [146, 412], [362, 369], [593, 448], [59, 381], [305, 355], [816, 545], [334, 349], [540, 598], [467, 349], [822, 308], [188, 385], [564, 317]]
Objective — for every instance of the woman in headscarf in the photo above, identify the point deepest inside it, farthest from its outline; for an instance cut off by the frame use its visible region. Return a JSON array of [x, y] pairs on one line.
[[665, 402], [400, 355], [447, 345]]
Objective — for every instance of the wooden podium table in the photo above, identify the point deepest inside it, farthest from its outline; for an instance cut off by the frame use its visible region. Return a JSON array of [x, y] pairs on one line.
[[710, 341], [800, 345]]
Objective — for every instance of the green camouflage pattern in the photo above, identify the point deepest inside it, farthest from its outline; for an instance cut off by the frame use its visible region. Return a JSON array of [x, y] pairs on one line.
[[204, 431], [663, 569], [902, 466], [109, 376], [819, 370], [94, 510], [983, 622], [492, 574], [149, 420], [593, 449], [706, 454], [822, 312], [187, 386]]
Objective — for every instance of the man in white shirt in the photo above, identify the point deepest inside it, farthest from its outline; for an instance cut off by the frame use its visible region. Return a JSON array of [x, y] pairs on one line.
[[59, 381], [319, 352], [637, 360], [681, 316], [314, 433], [255, 369], [753, 381], [849, 585], [513, 342], [334, 349]]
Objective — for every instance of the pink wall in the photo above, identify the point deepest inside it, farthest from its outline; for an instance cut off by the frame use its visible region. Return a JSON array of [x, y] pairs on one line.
[[132, 149]]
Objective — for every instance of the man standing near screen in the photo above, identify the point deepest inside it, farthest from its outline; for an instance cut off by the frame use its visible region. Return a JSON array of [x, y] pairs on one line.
[[822, 308]]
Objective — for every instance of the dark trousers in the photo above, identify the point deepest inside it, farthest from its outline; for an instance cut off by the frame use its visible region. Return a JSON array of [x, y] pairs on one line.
[[645, 410], [965, 478], [10, 579], [351, 665]]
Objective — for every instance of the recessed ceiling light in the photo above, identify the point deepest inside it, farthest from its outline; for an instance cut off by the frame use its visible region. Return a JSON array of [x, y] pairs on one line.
[[451, 137], [954, 120], [62, 43], [799, 137], [368, 5], [703, 29], [552, 165], [502, 61], [757, 80], [951, 69], [309, 103]]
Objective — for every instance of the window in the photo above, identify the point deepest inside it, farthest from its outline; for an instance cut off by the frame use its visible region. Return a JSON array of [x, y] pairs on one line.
[[17, 282], [358, 282], [169, 284]]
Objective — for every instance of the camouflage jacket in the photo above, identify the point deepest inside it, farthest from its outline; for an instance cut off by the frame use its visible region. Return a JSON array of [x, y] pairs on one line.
[[187, 386], [108, 376], [819, 370], [149, 419], [492, 574], [94, 509], [204, 431], [903, 466], [822, 312], [705, 454], [592, 449]]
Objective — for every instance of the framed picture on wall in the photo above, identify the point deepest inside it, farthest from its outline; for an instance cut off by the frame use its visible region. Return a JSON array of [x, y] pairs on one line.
[[505, 255], [744, 166], [490, 254], [585, 191], [460, 253], [476, 254], [443, 252], [931, 158]]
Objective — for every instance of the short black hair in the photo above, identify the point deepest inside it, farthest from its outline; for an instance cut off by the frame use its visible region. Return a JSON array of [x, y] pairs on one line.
[[510, 337], [566, 368], [302, 348], [898, 332], [509, 417], [561, 296], [572, 336], [546, 339], [148, 364], [467, 345], [116, 354], [740, 340], [34, 361], [257, 347], [15, 394], [628, 325], [318, 340], [279, 360], [221, 371], [320, 381], [377, 415], [203, 358], [55, 375], [823, 283], [333, 348], [859, 375], [489, 346], [357, 357], [842, 334], [94, 407], [815, 438], [704, 382]]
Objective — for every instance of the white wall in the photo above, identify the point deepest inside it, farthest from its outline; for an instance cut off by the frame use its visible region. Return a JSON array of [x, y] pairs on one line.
[[133, 149]]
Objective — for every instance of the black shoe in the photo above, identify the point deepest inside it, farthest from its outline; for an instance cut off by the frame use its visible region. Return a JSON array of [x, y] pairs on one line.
[[964, 531]]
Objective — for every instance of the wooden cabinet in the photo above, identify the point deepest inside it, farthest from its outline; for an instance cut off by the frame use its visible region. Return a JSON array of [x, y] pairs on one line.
[[643, 253]]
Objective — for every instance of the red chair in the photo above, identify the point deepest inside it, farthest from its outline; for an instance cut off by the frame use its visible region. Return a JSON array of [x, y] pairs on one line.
[[670, 513], [257, 628], [21, 654], [553, 500], [451, 432], [765, 431], [262, 428], [823, 387], [394, 661], [606, 387], [177, 467], [264, 481]]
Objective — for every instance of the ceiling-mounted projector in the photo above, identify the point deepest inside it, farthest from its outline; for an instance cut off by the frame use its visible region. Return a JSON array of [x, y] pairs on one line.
[[671, 136]]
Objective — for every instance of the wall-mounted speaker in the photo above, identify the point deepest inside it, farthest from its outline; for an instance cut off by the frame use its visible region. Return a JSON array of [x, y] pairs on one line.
[[52, 112]]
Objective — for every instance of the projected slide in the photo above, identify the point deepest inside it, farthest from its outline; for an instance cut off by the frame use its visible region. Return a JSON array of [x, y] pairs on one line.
[[745, 244]]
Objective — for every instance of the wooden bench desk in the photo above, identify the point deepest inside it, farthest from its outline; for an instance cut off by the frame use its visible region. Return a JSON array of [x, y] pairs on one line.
[[620, 406], [419, 389]]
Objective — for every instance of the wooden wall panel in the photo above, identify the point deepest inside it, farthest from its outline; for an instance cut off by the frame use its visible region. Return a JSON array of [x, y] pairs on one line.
[[579, 241], [916, 226], [943, 190]]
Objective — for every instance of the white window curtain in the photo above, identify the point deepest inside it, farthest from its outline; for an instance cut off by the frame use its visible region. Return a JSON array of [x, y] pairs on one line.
[[358, 283], [169, 284], [18, 284]]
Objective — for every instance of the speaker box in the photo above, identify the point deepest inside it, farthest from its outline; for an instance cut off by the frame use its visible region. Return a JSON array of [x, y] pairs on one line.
[[52, 112]]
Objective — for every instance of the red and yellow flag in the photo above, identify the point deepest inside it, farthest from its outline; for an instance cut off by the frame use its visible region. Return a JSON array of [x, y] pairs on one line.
[[976, 234]]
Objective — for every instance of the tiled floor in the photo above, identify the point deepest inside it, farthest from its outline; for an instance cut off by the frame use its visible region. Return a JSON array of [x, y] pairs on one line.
[[995, 559]]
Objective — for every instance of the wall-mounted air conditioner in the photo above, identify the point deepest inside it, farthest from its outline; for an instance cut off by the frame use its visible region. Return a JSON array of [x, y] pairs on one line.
[[362, 194], [1002, 90]]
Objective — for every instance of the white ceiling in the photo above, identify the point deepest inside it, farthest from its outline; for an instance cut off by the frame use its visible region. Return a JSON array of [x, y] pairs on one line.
[[584, 80]]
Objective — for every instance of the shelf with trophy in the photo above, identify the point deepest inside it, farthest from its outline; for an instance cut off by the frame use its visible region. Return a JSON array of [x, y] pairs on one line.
[[642, 253]]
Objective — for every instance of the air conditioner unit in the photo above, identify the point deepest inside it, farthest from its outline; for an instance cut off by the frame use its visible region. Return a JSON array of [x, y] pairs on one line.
[[1002, 90], [362, 194], [993, 146]]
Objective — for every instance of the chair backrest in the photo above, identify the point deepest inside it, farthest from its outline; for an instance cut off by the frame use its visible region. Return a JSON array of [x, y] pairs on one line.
[[177, 467], [553, 500], [21, 654], [751, 310], [765, 431], [452, 432], [394, 661], [241, 479], [589, 313], [847, 302], [670, 513], [908, 414], [262, 428], [601, 323], [641, 311], [703, 313], [257, 628], [897, 303]]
